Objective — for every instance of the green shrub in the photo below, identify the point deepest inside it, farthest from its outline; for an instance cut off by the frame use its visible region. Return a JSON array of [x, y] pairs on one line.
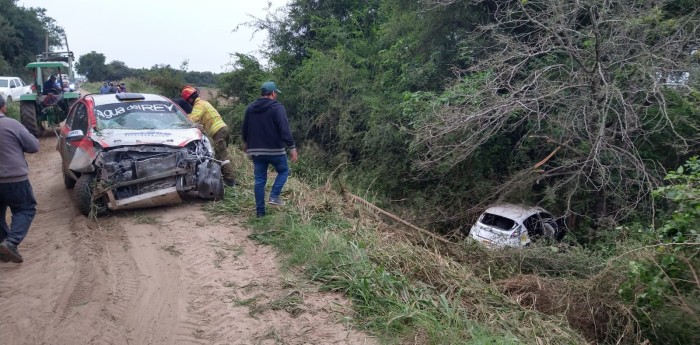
[[662, 280], [13, 110]]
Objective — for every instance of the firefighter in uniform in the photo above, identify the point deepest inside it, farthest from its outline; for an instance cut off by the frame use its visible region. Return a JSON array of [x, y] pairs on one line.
[[204, 114]]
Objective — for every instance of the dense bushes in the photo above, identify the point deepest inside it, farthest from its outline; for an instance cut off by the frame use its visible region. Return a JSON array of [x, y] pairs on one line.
[[437, 109], [467, 103]]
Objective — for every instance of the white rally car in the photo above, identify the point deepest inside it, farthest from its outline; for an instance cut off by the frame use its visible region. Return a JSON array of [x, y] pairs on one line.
[[130, 150], [509, 225]]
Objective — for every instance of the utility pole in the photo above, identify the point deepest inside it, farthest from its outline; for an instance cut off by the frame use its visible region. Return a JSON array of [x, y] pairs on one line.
[[70, 57]]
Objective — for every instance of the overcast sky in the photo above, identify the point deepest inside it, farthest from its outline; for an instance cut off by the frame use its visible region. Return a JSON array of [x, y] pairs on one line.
[[142, 33]]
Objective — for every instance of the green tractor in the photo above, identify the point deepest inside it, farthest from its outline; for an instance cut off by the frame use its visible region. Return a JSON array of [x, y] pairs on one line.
[[43, 109]]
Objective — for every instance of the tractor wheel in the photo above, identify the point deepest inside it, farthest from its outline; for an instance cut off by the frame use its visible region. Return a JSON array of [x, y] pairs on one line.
[[27, 112], [82, 196]]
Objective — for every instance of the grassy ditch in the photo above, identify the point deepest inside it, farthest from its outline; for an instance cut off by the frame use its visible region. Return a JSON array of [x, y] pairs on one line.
[[639, 286], [402, 290]]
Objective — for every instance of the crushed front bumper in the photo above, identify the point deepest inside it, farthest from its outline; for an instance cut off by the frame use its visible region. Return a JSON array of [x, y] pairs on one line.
[[148, 176]]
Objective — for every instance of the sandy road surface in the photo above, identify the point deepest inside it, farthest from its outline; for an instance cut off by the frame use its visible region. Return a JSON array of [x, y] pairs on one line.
[[162, 276]]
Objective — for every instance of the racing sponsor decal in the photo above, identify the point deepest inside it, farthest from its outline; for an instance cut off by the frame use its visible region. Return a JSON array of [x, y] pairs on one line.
[[108, 111], [149, 134], [170, 137]]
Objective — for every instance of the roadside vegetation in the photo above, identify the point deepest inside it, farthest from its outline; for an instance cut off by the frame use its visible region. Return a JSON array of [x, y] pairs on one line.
[[434, 110], [132, 85], [13, 110], [640, 285], [93, 65], [400, 291], [23, 36]]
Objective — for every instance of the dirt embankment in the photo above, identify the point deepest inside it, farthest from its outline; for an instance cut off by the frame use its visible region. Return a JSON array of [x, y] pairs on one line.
[[172, 275]]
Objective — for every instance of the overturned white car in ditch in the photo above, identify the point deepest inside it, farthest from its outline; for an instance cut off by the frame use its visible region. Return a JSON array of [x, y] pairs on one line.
[[129, 150], [509, 225]]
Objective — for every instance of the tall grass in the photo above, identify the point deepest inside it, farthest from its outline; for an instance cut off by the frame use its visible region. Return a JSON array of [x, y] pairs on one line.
[[13, 110], [400, 291], [91, 87], [635, 287]]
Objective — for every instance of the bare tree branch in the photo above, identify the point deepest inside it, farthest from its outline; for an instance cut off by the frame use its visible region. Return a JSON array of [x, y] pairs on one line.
[[587, 73]]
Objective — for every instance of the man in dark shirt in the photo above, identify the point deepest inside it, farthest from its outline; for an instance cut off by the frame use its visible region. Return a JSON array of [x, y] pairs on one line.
[[186, 106], [266, 136], [15, 189], [104, 88], [50, 86]]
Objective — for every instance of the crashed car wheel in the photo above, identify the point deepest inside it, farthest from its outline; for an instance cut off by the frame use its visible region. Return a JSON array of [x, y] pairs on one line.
[[82, 196], [68, 181]]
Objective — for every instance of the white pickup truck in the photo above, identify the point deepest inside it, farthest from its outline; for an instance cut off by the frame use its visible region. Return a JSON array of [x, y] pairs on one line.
[[13, 87]]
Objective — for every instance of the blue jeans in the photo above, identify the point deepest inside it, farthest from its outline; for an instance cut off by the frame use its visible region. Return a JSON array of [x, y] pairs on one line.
[[19, 197], [260, 164]]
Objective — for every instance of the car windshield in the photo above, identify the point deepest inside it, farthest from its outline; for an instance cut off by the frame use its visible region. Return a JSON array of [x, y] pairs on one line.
[[496, 221], [140, 115], [3, 83]]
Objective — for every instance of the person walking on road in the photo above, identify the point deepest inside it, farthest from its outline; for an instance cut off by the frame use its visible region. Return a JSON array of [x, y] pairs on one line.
[[266, 137], [104, 89], [15, 190], [204, 114]]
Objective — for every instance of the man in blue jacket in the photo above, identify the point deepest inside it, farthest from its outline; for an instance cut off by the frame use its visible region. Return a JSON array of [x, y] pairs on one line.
[[15, 189], [104, 88], [266, 137]]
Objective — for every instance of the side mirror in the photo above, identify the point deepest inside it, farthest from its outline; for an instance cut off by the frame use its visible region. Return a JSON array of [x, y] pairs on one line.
[[75, 135]]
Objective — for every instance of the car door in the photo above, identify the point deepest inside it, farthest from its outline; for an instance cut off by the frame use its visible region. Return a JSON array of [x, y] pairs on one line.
[[77, 119], [62, 145]]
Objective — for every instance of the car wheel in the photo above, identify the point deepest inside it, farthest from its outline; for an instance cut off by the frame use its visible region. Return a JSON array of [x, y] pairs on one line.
[[560, 233], [9, 99], [68, 181], [553, 231], [548, 230], [82, 196]]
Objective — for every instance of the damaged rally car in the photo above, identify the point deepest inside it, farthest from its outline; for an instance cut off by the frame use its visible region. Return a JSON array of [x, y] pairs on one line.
[[509, 225], [129, 150]]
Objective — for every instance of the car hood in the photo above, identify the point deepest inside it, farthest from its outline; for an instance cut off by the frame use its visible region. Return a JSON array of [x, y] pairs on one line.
[[169, 137]]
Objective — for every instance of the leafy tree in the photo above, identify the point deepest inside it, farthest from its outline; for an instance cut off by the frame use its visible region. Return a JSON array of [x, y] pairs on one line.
[[92, 65], [312, 25], [585, 80], [23, 35], [201, 78], [117, 70], [166, 79], [242, 84]]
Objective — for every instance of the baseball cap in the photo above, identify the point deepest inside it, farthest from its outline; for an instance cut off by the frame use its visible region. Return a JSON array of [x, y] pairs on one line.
[[270, 86]]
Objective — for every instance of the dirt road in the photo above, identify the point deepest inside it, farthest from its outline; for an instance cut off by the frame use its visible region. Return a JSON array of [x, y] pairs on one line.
[[161, 276]]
